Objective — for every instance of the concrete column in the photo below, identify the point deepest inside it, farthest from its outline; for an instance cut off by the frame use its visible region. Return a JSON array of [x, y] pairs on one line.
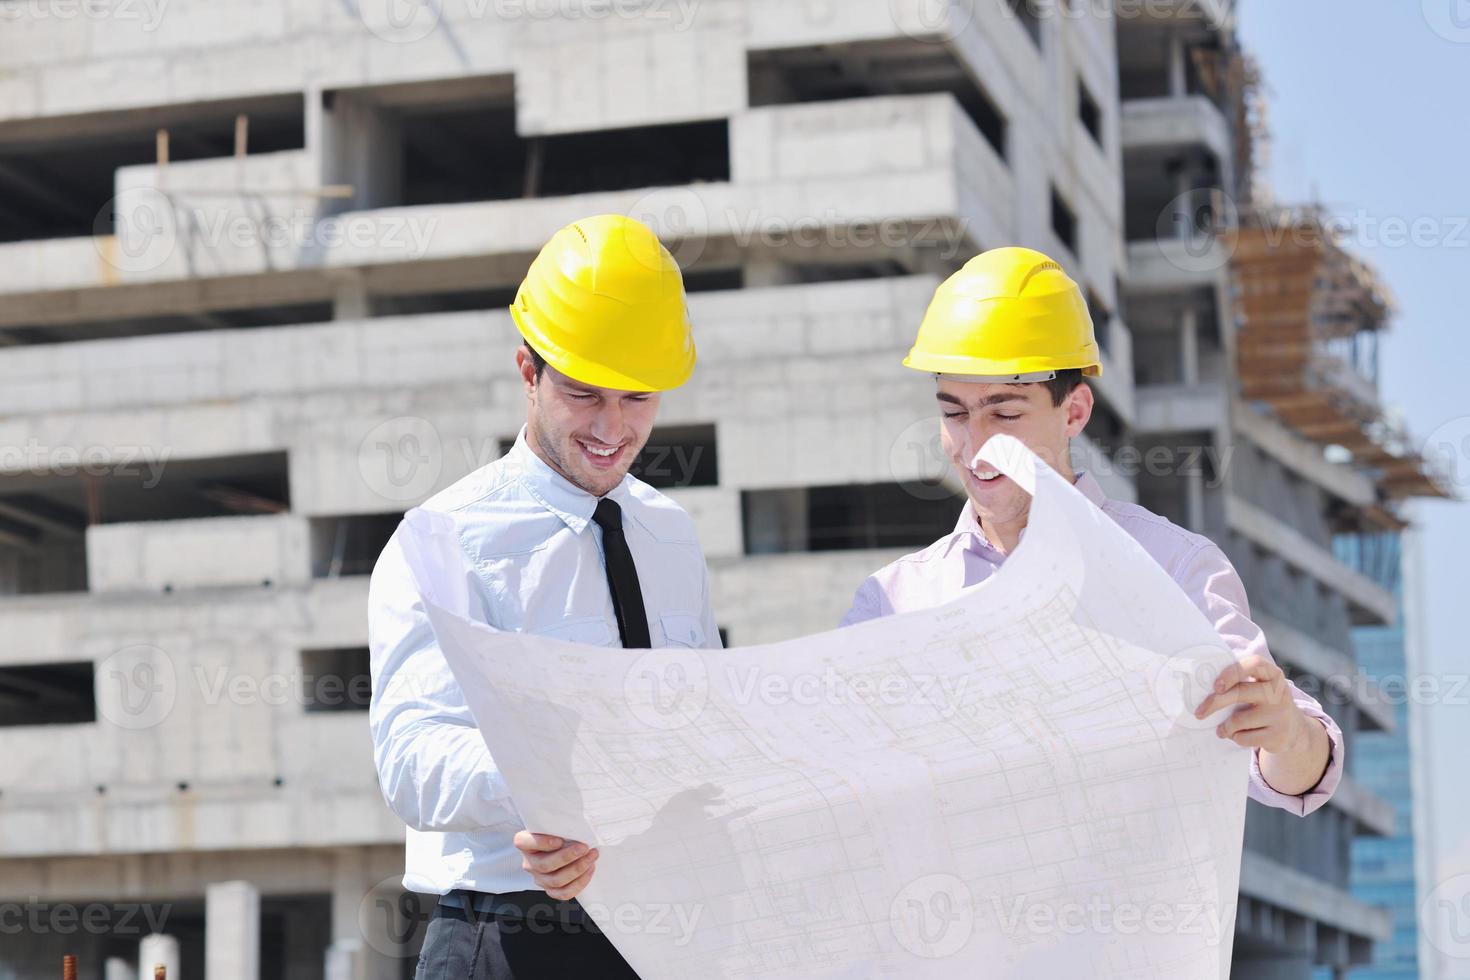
[[352, 959], [1184, 204], [118, 969], [362, 145], [1194, 500], [1188, 346], [341, 963], [1178, 67], [232, 931], [155, 950], [353, 954], [305, 933], [315, 120], [350, 300]]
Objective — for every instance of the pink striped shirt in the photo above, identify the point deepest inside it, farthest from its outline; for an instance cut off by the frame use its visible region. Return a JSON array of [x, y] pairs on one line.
[[965, 557]]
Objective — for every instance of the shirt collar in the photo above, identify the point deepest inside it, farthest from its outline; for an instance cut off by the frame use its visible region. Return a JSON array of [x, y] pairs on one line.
[[555, 492], [969, 525], [1091, 489]]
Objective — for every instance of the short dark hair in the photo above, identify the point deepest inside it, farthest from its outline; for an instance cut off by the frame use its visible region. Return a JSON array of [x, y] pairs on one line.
[[1062, 385], [539, 362]]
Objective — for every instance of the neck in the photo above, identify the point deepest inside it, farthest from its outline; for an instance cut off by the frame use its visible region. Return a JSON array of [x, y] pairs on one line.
[[534, 444], [1004, 535]]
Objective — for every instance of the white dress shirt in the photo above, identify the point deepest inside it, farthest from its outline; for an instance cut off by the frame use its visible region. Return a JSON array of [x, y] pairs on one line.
[[528, 534]]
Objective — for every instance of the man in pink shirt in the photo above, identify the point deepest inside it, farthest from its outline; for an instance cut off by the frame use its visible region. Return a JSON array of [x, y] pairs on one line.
[[1010, 340]]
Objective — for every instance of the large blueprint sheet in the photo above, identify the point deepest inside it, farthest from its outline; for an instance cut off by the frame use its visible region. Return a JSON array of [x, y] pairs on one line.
[[1010, 785]]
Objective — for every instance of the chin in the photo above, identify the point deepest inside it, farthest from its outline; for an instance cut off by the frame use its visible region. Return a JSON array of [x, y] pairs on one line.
[[600, 483], [999, 507]]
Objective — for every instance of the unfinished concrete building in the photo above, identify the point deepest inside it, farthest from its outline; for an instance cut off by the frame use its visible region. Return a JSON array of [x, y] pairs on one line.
[[254, 263], [1255, 355]]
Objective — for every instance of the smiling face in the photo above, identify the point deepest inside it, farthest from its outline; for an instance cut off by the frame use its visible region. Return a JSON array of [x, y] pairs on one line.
[[587, 434], [973, 412]]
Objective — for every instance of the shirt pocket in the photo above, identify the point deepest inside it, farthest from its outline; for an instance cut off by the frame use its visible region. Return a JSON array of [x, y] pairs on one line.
[[682, 629], [592, 631]]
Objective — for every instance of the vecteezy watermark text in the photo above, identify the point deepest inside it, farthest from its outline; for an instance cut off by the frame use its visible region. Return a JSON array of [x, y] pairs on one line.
[[1098, 916], [144, 462], [148, 13], [887, 689], [37, 918]]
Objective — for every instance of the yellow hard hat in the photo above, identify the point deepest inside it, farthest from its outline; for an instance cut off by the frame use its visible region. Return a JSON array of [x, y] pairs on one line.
[[1010, 315], [604, 304]]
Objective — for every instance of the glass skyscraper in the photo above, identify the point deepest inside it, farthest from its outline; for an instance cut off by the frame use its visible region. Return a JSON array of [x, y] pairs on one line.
[[1383, 867]]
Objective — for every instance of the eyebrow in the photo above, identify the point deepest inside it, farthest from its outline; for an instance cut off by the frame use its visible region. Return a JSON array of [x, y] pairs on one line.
[[576, 388], [984, 402], [573, 388]]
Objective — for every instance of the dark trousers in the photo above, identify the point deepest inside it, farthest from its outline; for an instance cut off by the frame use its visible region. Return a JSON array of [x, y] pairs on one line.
[[467, 945]]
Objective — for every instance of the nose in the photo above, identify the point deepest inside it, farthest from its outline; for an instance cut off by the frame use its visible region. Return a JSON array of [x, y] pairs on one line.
[[976, 435], [607, 424]]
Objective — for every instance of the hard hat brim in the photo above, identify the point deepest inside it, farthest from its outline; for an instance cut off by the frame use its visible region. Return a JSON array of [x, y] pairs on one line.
[[930, 363]]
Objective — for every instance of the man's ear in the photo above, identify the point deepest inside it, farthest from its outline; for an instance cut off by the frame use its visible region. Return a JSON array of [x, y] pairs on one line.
[[1079, 409], [527, 368]]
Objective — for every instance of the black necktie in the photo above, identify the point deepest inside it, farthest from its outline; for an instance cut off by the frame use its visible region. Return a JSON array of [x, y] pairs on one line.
[[622, 576]]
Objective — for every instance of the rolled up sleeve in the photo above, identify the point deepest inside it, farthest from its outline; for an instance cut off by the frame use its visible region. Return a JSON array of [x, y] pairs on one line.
[[1212, 583], [434, 768]]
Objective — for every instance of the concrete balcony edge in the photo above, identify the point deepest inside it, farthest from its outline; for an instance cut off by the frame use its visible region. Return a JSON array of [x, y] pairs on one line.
[[1372, 815], [1188, 120], [1271, 534], [1287, 888], [1301, 456]]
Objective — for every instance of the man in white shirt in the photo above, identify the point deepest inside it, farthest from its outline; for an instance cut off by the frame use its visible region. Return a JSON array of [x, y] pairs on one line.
[[564, 543]]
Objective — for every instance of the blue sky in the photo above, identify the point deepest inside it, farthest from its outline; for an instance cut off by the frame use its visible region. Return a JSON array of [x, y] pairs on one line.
[[1369, 115]]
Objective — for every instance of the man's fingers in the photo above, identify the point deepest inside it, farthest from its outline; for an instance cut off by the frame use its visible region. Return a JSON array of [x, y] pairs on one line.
[[1255, 666], [528, 842], [1243, 720], [543, 863], [1246, 692], [572, 888], [1251, 680], [565, 875]]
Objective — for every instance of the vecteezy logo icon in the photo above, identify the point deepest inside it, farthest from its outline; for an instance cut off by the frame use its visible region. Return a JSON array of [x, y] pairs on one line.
[[667, 688], [1191, 230], [1445, 917], [1450, 19], [933, 916], [400, 459], [1447, 451], [679, 218], [136, 231], [917, 460], [939, 21], [136, 687], [1182, 682], [391, 919], [401, 21]]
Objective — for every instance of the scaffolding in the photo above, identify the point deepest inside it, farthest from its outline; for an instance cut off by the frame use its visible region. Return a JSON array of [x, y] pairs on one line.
[[1307, 346]]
